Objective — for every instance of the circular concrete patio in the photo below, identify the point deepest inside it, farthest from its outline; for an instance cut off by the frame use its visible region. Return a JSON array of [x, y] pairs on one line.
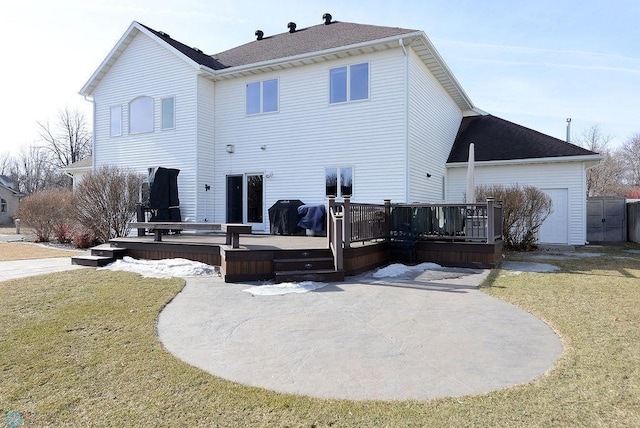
[[413, 338]]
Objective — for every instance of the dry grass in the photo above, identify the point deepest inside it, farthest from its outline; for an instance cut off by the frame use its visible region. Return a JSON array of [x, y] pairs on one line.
[[27, 251], [80, 349]]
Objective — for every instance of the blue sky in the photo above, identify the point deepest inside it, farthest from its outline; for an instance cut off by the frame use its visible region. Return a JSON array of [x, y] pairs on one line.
[[535, 63]]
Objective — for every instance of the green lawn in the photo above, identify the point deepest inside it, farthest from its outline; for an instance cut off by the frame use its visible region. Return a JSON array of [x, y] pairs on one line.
[[79, 349]]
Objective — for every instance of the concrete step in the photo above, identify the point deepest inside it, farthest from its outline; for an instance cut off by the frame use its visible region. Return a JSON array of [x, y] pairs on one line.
[[318, 275], [91, 260]]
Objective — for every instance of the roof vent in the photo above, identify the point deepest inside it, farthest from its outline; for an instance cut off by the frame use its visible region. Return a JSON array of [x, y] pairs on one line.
[[259, 34], [327, 18], [197, 50], [163, 34], [292, 27]]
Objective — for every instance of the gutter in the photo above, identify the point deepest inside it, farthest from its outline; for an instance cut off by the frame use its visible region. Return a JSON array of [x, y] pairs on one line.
[[258, 65], [406, 120], [557, 159]]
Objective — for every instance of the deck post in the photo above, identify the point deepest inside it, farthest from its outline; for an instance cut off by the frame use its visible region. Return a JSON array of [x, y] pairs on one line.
[[387, 219], [338, 250], [346, 218], [490, 221], [331, 206], [140, 218]]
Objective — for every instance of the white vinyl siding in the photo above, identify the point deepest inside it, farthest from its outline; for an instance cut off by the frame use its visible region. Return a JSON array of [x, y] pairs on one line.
[[434, 119], [308, 134], [560, 175], [205, 159], [147, 68]]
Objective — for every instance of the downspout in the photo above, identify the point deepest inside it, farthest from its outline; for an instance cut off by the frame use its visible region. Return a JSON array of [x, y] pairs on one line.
[[406, 121]]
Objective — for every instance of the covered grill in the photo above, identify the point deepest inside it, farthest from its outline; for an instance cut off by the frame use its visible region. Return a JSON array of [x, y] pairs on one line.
[[283, 217]]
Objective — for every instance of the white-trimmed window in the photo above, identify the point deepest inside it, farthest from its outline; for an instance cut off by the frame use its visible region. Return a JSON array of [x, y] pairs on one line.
[[141, 115], [339, 181], [168, 106], [115, 121], [3, 206], [349, 83], [262, 97]]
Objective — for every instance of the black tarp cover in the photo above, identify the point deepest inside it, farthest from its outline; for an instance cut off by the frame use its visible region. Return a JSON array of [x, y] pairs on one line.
[[163, 198], [283, 217]]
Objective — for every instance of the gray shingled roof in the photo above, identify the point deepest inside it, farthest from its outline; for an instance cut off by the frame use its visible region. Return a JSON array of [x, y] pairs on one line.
[[498, 139], [306, 40], [195, 54]]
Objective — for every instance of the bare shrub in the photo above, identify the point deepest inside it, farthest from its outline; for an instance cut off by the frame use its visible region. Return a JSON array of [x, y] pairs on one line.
[[105, 202], [63, 231], [524, 209], [83, 238], [48, 212]]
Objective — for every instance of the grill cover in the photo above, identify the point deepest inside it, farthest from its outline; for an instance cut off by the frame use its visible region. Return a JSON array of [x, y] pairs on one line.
[[283, 217], [163, 198]]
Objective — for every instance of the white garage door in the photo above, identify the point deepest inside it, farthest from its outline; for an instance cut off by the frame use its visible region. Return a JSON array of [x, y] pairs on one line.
[[555, 229]]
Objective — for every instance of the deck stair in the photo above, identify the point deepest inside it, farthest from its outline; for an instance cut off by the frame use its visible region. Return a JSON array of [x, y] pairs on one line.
[[101, 255], [305, 265]]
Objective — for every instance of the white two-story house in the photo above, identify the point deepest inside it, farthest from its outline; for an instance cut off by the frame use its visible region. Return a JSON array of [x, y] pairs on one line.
[[334, 109]]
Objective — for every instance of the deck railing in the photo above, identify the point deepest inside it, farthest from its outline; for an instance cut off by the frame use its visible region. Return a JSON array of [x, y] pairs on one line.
[[348, 223], [480, 222]]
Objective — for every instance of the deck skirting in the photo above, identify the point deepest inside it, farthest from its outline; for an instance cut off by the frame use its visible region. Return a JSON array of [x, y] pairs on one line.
[[255, 263]]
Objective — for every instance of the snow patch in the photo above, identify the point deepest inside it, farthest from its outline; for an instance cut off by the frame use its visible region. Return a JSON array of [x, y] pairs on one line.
[[165, 268], [285, 288], [397, 269]]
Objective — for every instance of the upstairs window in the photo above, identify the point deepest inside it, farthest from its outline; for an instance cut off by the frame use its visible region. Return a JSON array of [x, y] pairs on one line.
[[339, 182], [3, 206], [115, 120], [168, 113], [262, 97], [141, 115], [349, 83]]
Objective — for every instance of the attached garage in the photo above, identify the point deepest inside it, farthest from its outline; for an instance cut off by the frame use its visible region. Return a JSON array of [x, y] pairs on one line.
[[509, 154]]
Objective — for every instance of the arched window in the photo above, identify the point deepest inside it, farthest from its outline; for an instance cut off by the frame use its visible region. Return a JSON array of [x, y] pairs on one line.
[[141, 115]]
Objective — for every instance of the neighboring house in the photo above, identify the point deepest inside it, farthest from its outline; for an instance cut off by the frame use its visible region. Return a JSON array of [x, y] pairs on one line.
[[78, 170], [337, 108], [9, 200]]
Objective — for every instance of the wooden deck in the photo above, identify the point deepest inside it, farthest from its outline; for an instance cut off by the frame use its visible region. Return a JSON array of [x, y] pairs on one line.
[[258, 255]]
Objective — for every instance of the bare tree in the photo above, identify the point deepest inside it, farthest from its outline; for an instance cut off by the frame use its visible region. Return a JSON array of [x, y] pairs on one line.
[[594, 139], [69, 140], [32, 171], [630, 151], [606, 178], [5, 163]]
